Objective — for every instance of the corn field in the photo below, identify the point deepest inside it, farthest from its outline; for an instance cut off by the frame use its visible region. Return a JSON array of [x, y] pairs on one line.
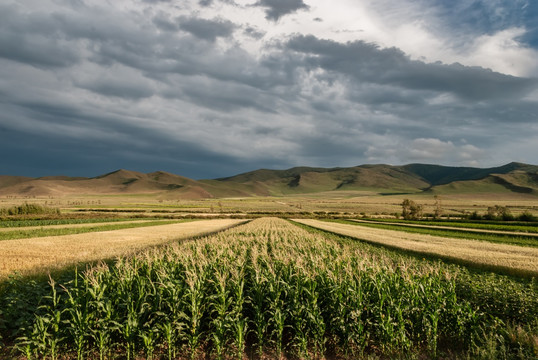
[[266, 289]]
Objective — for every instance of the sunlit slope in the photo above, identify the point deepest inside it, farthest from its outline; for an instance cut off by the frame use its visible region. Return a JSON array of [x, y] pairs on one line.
[[307, 180], [513, 178]]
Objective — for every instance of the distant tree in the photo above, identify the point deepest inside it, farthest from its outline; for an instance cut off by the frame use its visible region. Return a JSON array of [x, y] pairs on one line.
[[411, 210], [438, 211], [498, 212]]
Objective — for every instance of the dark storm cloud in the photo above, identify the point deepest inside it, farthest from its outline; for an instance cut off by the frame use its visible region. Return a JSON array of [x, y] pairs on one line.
[[69, 140], [46, 154], [227, 97], [208, 30], [164, 23], [367, 62], [278, 8], [89, 89], [31, 40]]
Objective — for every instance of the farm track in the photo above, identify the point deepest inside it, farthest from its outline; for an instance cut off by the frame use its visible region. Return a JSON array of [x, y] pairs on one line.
[[463, 229], [40, 254], [510, 258], [72, 226]]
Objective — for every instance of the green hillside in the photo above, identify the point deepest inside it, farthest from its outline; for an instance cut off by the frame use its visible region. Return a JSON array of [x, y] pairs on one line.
[[384, 179], [412, 178]]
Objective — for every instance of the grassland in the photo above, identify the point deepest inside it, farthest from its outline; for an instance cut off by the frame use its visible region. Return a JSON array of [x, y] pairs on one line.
[[269, 289], [352, 203]]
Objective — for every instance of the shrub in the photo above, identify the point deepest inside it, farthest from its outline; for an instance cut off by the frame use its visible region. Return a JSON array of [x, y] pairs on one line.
[[498, 212], [527, 216], [475, 216], [28, 209]]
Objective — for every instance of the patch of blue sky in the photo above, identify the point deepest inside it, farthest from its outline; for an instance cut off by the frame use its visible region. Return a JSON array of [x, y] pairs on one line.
[[486, 17], [530, 20]]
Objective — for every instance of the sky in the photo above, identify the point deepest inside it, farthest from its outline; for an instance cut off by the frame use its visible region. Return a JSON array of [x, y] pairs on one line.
[[213, 88]]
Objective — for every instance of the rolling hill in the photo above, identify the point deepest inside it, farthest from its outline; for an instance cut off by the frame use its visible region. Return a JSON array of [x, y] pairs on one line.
[[383, 179]]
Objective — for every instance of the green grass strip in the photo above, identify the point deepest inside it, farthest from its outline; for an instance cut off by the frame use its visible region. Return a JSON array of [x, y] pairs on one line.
[[458, 234], [517, 227], [48, 222], [23, 234]]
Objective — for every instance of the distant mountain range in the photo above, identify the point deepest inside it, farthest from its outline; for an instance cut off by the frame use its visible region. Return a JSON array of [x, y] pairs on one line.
[[383, 179]]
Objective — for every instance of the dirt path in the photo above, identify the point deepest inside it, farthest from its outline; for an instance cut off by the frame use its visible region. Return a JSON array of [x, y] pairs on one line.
[[524, 260], [39, 254], [70, 226], [500, 232]]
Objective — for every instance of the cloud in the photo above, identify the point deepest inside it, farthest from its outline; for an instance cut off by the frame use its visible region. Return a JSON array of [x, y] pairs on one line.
[[205, 29], [116, 81], [430, 150], [30, 39], [214, 89], [279, 8], [367, 62], [253, 32]]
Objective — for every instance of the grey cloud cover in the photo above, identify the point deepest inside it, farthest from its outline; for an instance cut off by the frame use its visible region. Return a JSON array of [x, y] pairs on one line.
[[88, 88], [278, 8], [367, 62], [206, 29]]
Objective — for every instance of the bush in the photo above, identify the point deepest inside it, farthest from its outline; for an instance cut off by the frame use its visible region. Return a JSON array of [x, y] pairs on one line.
[[498, 212], [475, 216], [28, 209], [527, 216]]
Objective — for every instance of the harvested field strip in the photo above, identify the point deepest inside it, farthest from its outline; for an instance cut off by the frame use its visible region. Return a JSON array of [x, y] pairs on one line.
[[59, 231], [509, 258], [495, 237], [449, 227], [38, 254], [72, 226]]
